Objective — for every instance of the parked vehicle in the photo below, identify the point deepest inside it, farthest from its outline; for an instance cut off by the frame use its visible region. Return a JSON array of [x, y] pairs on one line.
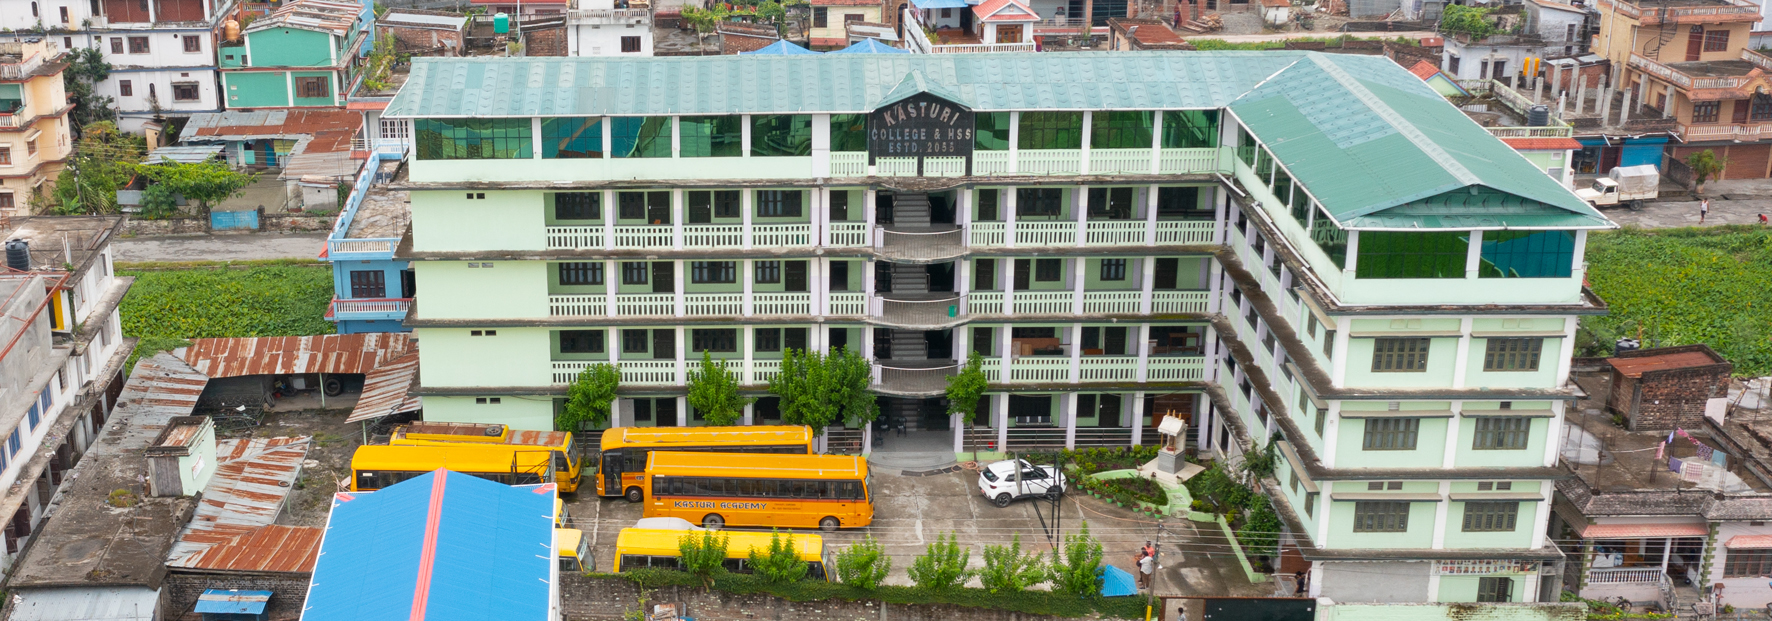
[[1625, 185], [1007, 480], [572, 550]]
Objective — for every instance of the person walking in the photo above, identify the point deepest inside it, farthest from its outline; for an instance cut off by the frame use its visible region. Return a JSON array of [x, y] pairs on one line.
[[1703, 209]]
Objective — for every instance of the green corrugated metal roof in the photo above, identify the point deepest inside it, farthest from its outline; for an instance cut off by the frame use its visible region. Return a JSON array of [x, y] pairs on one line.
[[1380, 149]]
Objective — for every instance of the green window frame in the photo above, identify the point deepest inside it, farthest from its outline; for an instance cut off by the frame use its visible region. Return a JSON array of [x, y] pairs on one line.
[[1491, 517], [473, 139], [990, 131], [1190, 129], [1527, 254], [711, 136], [1051, 130], [1264, 164], [1400, 355], [1503, 433], [1512, 354], [1390, 434], [1381, 516], [781, 135], [849, 132], [1246, 146], [1412, 255], [1120, 130], [571, 138], [1283, 188], [1495, 590], [1330, 238], [640, 136]]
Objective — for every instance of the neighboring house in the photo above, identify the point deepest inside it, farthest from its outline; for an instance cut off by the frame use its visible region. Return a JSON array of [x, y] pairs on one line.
[[311, 150], [162, 53], [1689, 63], [371, 292], [739, 37], [1129, 35], [1437, 79], [306, 54], [34, 132], [990, 26], [830, 19], [1504, 112], [424, 33], [1546, 28], [1197, 247], [526, 8], [601, 28]]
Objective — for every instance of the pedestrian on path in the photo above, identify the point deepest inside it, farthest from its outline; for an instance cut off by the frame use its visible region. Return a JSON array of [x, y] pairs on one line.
[[1299, 582], [1146, 565], [1138, 566], [1762, 219], [1703, 209]]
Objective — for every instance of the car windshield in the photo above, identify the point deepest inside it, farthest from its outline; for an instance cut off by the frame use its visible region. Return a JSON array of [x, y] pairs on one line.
[[1599, 187], [990, 476]]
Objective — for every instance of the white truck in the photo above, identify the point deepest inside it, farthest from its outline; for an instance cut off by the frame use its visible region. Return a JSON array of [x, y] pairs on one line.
[[1626, 185]]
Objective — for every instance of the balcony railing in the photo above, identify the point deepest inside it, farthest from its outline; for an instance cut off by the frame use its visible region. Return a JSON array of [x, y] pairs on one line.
[[645, 305], [848, 234], [713, 236], [973, 48], [344, 248], [713, 304], [1167, 302], [1094, 302], [644, 236], [595, 305], [922, 245], [849, 164], [1057, 369], [780, 235], [847, 304], [914, 379], [1095, 233], [1727, 132], [1037, 233], [381, 307], [1047, 438], [664, 372], [1626, 575], [781, 303], [575, 237], [701, 304], [1101, 161], [918, 312]]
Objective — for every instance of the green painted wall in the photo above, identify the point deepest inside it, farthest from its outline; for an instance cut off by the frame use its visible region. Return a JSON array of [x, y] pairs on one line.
[[1421, 520], [256, 89], [621, 287], [610, 169], [1430, 446], [505, 290], [332, 85], [520, 412], [452, 357], [1544, 377], [1532, 455], [1441, 353], [447, 221], [289, 47], [1299, 238], [1131, 280]]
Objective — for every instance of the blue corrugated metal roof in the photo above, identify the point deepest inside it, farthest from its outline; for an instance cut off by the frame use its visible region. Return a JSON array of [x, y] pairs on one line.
[[940, 4], [491, 557], [871, 46], [781, 48], [231, 601]]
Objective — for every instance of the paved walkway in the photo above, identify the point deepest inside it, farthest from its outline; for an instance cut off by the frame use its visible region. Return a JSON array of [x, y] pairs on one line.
[[226, 247], [1732, 202]]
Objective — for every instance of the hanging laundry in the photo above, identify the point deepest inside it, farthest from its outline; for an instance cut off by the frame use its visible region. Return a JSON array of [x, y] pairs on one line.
[[1693, 471], [1704, 452], [1673, 463], [1719, 459], [1661, 451]]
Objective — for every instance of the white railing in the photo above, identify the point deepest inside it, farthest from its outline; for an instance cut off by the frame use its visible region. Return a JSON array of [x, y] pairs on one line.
[[849, 164], [779, 235], [990, 162], [849, 234], [1034, 233], [368, 305], [945, 166], [985, 234], [1185, 231], [920, 312], [848, 304], [781, 303], [594, 305], [632, 372], [1178, 161], [705, 304], [1120, 161], [1043, 303], [762, 371], [922, 380], [992, 368], [646, 304], [1626, 575], [984, 303], [575, 237], [895, 166], [1164, 302], [1049, 161], [1175, 369], [713, 236], [1108, 369], [1040, 369], [646, 236], [336, 248], [1114, 233], [972, 48], [1118, 302]]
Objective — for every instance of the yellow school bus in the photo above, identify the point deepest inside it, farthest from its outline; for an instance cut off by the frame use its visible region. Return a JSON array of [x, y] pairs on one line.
[[623, 459], [789, 491], [377, 466], [640, 548], [423, 433]]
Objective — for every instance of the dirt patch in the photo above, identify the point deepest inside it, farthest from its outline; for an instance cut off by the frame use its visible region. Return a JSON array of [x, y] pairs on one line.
[[329, 458]]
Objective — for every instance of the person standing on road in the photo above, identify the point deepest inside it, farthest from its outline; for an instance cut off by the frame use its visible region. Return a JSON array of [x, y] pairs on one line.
[[1146, 565], [1703, 209]]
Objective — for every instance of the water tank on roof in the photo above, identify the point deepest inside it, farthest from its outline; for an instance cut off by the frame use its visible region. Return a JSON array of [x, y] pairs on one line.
[[1538, 116], [1626, 344], [231, 31], [18, 255], [501, 23]]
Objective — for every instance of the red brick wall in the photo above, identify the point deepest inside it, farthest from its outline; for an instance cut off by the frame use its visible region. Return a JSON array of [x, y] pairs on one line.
[[733, 44], [1664, 400], [421, 39], [550, 42]]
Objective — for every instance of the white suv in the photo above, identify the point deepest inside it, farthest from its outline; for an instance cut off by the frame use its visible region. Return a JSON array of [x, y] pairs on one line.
[[997, 481]]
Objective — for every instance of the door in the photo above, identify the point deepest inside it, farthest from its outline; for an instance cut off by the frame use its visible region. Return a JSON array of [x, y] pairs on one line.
[[664, 345], [1499, 69], [965, 20], [664, 279], [613, 465], [408, 284], [1108, 410], [658, 207], [1694, 43], [1166, 274], [794, 276], [1022, 267], [839, 275], [1006, 33], [1740, 110], [1609, 157], [269, 153]]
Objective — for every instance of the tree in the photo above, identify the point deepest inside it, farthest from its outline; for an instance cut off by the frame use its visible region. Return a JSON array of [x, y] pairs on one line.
[[1705, 166], [1260, 532], [86, 68], [713, 391], [967, 386], [205, 182], [1261, 462], [1466, 20], [781, 563], [103, 162], [589, 398], [942, 566], [703, 554], [1007, 570], [1076, 566], [817, 390], [864, 564]]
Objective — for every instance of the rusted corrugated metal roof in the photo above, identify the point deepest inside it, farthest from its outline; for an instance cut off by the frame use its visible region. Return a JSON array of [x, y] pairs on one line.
[[247, 491], [269, 548], [164, 385], [1637, 365], [277, 355], [385, 389]]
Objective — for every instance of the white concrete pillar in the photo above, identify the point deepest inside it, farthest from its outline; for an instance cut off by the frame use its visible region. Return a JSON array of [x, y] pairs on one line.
[[1150, 212], [746, 198], [1137, 417], [963, 278], [1014, 146], [682, 377], [747, 274], [1078, 277], [1080, 200], [955, 422], [1001, 407], [677, 210], [611, 286], [1147, 285], [1142, 336], [677, 277], [747, 335], [1008, 203], [609, 210], [1069, 411]]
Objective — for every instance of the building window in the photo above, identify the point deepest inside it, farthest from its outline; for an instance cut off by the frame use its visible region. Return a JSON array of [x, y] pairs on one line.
[[1747, 563], [192, 43], [1716, 40], [1113, 269], [778, 203], [1120, 130], [1508, 433], [990, 131], [633, 341], [473, 139], [1051, 130], [713, 339], [712, 136], [1490, 517], [1495, 590], [581, 341], [1190, 129], [1761, 108], [368, 284], [1512, 354], [1702, 112], [116, 45], [630, 45], [1399, 355], [1525, 254], [6, 156], [571, 138], [636, 136], [1412, 255], [849, 132], [1381, 517], [1048, 270], [124, 88], [578, 206], [781, 135], [713, 272], [590, 273], [185, 91], [6, 200], [138, 45], [1330, 238], [1037, 202], [1452, 65], [768, 272], [633, 273], [768, 339], [820, 17], [322, 87], [1391, 434]]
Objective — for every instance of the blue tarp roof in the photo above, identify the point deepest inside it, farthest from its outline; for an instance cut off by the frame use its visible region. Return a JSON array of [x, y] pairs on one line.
[[781, 48], [940, 4], [871, 46], [1115, 582], [489, 547], [231, 601]]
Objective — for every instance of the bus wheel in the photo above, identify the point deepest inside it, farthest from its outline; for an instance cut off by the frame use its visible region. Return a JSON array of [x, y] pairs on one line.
[[829, 524], [713, 521], [634, 495]]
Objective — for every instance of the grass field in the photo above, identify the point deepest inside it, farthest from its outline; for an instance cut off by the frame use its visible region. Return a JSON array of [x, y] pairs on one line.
[[165, 307], [1685, 286]]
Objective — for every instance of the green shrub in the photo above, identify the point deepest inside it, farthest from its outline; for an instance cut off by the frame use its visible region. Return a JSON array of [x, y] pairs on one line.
[[1027, 602], [1076, 566], [1260, 534], [1007, 569], [780, 563], [942, 567], [1127, 490], [864, 564], [703, 555]]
